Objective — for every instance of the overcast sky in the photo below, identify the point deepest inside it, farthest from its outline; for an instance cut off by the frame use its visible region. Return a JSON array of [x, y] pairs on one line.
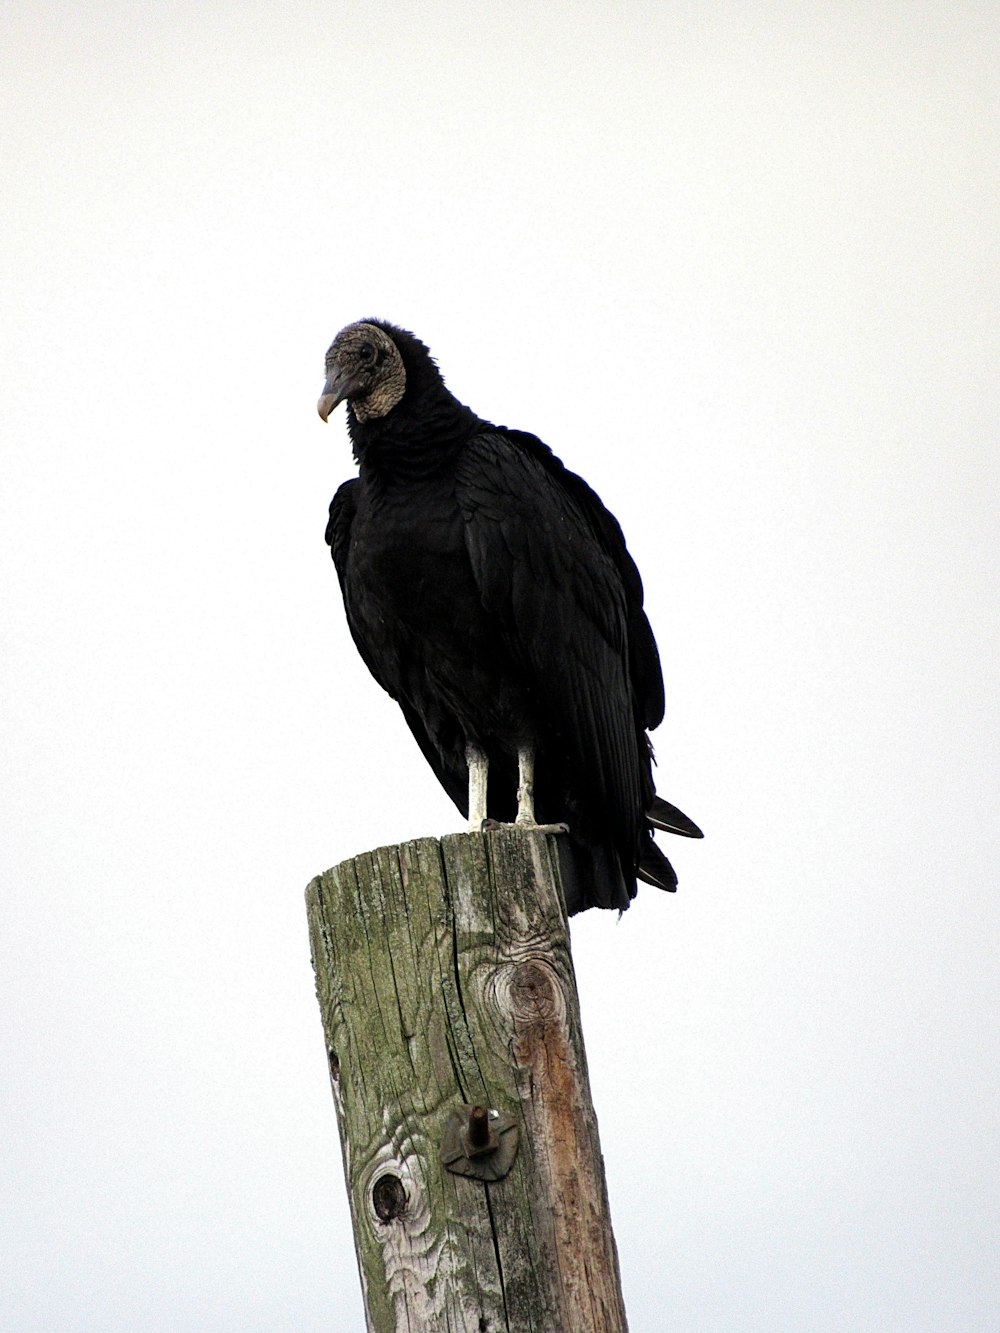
[[737, 264]]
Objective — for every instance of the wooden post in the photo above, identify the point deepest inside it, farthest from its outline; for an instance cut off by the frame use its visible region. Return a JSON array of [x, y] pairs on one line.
[[444, 979]]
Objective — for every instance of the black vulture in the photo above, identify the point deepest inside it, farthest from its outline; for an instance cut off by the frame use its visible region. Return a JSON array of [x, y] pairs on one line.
[[490, 593]]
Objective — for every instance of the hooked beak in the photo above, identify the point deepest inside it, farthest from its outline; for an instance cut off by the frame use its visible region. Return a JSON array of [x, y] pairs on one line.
[[338, 386]]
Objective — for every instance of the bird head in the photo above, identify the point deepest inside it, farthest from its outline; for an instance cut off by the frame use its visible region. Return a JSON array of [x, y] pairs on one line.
[[363, 366]]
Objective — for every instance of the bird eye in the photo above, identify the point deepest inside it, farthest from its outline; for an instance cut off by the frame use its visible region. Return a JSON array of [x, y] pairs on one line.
[[366, 353]]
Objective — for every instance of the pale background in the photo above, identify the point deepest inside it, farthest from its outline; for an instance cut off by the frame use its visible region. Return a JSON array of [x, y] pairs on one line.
[[737, 264]]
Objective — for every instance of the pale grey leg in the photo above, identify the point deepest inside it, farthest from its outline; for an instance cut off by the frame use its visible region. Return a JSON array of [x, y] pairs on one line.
[[526, 793], [479, 767], [526, 785]]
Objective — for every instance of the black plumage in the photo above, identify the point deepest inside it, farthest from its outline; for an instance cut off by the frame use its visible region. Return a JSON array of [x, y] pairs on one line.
[[490, 592]]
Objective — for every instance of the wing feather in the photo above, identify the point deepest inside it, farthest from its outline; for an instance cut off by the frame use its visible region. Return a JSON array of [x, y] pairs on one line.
[[379, 658], [560, 603]]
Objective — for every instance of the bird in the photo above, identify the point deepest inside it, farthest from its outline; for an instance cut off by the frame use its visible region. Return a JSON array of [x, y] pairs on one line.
[[490, 592]]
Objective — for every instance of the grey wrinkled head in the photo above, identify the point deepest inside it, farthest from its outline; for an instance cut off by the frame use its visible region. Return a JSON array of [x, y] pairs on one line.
[[364, 367]]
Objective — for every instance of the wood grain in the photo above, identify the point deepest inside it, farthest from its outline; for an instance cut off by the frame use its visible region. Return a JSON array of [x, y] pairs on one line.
[[444, 976]]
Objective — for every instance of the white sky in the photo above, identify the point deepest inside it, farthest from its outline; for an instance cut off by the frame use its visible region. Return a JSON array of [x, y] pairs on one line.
[[738, 265]]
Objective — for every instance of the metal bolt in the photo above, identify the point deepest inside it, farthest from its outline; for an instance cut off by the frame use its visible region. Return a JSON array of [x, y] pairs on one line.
[[479, 1132], [479, 1141]]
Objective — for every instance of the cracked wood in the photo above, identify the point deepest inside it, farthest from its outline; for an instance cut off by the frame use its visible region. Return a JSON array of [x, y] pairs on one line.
[[444, 976]]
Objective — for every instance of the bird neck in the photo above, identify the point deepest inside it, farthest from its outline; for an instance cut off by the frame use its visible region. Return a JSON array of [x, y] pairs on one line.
[[418, 438]]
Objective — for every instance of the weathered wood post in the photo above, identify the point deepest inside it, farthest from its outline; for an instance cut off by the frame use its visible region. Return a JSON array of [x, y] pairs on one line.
[[445, 982]]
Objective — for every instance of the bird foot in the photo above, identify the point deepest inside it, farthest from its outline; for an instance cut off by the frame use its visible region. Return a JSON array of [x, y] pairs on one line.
[[490, 825]]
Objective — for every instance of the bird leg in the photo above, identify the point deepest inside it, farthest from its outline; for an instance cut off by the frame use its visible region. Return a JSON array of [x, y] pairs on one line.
[[526, 785], [479, 768], [526, 794]]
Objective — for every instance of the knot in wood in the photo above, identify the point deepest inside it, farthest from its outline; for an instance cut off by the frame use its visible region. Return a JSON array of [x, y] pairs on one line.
[[534, 996], [388, 1197]]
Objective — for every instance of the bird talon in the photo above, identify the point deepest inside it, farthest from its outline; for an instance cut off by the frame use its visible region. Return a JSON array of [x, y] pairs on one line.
[[492, 825]]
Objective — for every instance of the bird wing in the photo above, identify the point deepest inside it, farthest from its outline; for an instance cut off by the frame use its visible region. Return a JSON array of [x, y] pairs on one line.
[[343, 507], [377, 657], [381, 657], [644, 659], [560, 604]]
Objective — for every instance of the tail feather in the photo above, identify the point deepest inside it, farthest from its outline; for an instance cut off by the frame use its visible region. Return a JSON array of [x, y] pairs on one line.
[[654, 868], [662, 815], [591, 876], [595, 874]]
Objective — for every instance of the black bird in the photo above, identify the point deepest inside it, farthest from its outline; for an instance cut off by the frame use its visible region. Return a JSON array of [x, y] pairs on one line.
[[490, 592]]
